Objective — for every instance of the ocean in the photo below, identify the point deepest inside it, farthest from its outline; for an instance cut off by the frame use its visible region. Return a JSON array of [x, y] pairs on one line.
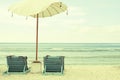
[[75, 53]]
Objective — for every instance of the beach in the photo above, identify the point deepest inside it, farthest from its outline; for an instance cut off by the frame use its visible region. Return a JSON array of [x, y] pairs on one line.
[[72, 72], [82, 61]]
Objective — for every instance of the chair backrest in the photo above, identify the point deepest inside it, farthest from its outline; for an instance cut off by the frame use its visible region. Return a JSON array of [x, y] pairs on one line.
[[53, 60], [17, 63], [54, 63]]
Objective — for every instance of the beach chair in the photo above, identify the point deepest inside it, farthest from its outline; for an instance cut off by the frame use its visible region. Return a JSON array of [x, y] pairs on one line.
[[53, 64], [17, 64]]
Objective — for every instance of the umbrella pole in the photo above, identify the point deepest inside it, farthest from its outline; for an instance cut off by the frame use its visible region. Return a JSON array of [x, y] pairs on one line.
[[36, 61], [37, 38]]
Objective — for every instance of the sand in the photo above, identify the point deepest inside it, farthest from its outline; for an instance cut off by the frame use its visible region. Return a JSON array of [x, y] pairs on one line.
[[72, 72]]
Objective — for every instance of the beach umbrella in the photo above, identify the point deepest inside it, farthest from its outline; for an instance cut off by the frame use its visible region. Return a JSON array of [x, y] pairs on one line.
[[38, 9]]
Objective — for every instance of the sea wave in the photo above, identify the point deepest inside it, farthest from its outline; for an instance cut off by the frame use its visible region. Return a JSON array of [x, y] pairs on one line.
[[59, 50]]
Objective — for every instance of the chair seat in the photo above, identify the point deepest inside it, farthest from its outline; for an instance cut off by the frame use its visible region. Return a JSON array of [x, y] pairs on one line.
[[53, 68]]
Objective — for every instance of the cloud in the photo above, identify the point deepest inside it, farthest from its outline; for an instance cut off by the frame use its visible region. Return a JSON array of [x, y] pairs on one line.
[[97, 29], [76, 11], [83, 34], [95, 34]]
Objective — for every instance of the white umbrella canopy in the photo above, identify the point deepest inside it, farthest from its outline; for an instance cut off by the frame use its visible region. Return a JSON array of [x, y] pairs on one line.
[[44, 8], [38, 9]]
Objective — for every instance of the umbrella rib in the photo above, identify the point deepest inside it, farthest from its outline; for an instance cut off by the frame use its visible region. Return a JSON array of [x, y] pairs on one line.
[[55, 9], [49, 12], [58, 7]]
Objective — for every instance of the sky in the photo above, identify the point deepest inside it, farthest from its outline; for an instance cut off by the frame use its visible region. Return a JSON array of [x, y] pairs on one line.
[[88, 21]]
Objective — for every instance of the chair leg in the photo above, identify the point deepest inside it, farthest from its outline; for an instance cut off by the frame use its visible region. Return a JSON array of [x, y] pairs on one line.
[[44, 71], [24, 69], [8, 69]]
